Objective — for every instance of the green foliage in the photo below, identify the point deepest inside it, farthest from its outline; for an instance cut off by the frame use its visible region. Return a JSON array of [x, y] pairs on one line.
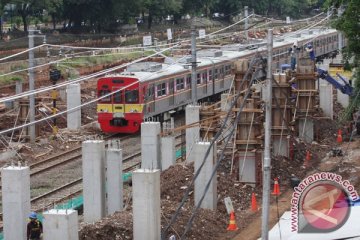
[[348, 23]]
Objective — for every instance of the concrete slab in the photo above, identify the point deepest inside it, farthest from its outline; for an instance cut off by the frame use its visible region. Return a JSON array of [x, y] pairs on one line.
[[192, 115], [326, 100], [280, 146], [306, 129], [247, 167], [15, 182], [73, 100], [61, 224], [146, 204], [210, 199], [150, 145], [168, 152], [114, 180], [93, 166]]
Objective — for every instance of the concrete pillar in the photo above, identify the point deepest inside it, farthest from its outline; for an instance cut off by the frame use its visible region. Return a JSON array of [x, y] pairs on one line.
[[61, 224], [225, 102], [306, 130], [210, 199], [93, 152], [114, 181], [326, 100], [168, 152], [192, 115], [150, 145], [343, 99], [15, 182], [73, 100], [247, 167], [146, 204], [280, 146]]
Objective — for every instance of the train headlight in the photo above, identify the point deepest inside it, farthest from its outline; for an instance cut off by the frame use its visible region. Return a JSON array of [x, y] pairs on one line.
[[133, 111]]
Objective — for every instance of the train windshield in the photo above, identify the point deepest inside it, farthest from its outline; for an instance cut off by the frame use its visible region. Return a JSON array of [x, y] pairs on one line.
[[102, 93], [132, 96]]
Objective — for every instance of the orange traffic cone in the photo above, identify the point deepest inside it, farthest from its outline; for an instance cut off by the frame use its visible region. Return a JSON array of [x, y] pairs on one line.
[[232, 225], [276, 187], [339, 136], [254, 207]]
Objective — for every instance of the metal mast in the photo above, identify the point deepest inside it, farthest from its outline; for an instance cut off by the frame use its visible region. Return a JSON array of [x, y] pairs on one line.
[[267, 155]]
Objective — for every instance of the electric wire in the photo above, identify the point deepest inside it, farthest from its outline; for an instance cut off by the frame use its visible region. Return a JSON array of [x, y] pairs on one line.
[[189, 224], [217, 135]]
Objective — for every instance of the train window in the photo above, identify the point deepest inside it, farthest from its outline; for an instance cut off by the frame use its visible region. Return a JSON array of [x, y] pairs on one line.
[[131, 96], [180, 84], [117, 81], [210, 75], [104, 92], [117, 97], [216, 73], [227, 69], [204, 77], [161, 89], [198, 78]]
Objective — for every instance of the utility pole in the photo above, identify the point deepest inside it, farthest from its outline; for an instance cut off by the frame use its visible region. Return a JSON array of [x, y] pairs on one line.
[[267, 155], [31, 87], [193, 66], [246, 22]]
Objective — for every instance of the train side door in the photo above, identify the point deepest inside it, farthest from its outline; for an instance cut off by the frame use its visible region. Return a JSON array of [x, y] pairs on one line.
[[171, 92], [118, 103], [151, 98]]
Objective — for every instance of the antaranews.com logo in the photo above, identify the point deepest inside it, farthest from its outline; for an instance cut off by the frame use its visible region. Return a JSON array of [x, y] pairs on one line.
[[321, 203]]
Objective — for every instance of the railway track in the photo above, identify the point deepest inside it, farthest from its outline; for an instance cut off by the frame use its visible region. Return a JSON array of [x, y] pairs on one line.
[[73, 188]]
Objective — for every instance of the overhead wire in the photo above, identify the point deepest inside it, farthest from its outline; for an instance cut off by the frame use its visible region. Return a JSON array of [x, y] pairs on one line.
[[217, 135], [189, 224], [24, 94]]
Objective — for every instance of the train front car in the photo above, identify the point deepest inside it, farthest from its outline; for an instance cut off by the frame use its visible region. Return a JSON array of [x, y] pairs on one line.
[[121, 111]]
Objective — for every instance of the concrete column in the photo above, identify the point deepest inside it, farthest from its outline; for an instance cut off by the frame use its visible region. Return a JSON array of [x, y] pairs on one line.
[[73, 100], [146, 204], [280, 146], [150, 145], [225, 102], [61, 224], [306, 130], [210, 199], [15, 201], [326, 100], [343, 99], [93, 160], [114, 181], [247, 167], [192, 115], [168, 152]]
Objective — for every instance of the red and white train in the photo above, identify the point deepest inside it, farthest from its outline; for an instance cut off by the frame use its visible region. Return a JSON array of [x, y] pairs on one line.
[[151, 89]]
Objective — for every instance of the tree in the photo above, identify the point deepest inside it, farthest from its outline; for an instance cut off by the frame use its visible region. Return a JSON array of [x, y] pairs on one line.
[[160, 8], [25, 8], [348, 23], [55, 9]]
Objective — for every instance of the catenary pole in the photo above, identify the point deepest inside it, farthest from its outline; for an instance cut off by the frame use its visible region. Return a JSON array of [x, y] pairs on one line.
[[31, 86], [193, 66], [267, 156]]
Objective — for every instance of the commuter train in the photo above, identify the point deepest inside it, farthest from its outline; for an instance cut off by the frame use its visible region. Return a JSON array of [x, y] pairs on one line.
[[151, 89]]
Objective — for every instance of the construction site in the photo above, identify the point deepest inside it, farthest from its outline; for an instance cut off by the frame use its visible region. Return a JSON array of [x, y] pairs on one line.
[[230, 125]]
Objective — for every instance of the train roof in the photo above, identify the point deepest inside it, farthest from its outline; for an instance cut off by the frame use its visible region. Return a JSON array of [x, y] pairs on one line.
[[146, 71]]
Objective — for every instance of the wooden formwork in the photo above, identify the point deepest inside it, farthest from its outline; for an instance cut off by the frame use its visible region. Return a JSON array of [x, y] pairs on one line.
[[210, 122], [249, 129], [281, 105], [305, 91]]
